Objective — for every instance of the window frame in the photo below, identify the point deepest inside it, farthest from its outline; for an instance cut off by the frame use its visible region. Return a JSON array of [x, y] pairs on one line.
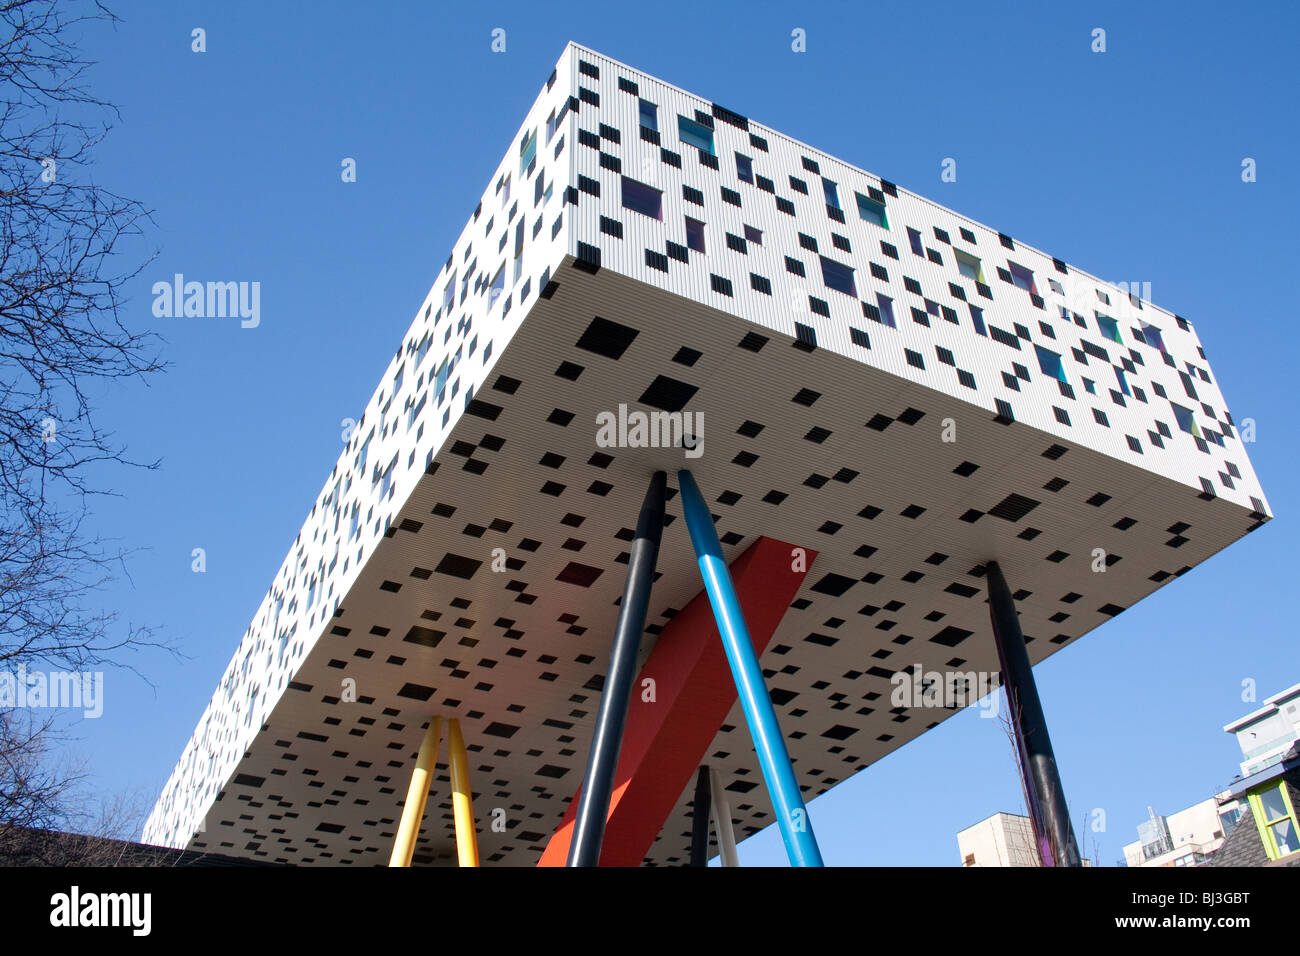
[[1032, 288], [527, 151], [653, 125], [964, 258], [1059, 375], [1101, 318], [687, 126], [638, 186], [885, 306], [831, 191], [703, 247], [745, 168], [867, 202], [1265, 824], [840, 272]]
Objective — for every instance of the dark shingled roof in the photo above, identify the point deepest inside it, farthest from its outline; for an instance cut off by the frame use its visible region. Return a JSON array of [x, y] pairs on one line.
[[1243, 846]]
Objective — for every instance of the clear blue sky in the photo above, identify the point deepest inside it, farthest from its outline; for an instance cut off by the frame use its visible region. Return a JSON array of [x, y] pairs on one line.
[[1126, 164]]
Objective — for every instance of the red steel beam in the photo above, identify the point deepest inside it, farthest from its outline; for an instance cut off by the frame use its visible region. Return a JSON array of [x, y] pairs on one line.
[[666, 739]]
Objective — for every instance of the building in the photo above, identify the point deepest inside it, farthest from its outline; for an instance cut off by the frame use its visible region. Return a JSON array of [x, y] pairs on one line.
[[893, 413], [1267, 733], [1004, 839], [1185, 838], [1268, 832]]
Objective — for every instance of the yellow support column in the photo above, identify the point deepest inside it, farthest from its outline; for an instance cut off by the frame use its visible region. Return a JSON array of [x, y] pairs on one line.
[[462, 804], [413, 812]]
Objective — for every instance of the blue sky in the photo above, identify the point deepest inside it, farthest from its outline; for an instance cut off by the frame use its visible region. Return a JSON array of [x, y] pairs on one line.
[[1125, 163]]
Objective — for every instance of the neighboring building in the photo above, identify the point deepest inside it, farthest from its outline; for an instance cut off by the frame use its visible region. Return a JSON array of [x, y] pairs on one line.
[[1268, 834], [804, 334], [1185, 838], [1264, 735], [1004, 839]]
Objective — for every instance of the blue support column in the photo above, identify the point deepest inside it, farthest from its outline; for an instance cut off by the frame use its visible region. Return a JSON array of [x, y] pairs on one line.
[[773, 758]]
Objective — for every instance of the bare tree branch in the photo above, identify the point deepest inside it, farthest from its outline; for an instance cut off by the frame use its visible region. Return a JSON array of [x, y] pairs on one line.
[[68, 249]]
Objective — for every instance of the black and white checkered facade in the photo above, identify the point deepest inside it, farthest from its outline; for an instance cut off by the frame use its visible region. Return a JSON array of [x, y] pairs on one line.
[[905, 391]]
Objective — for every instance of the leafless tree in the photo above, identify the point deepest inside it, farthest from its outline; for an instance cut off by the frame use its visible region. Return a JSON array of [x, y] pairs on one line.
[[68, 247]]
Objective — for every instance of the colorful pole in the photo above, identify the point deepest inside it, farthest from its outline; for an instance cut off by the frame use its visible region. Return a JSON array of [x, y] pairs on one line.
[[769, 745], [602, 762], [722, 821], [1042, 780], [700, 819], [413, 811], [462, 801]]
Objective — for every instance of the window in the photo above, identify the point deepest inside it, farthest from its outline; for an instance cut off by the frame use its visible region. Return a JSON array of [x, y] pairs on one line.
[[423, 349], [498, 285], [1022, 278], [550, 126], [694, 234], [886, 307], [1153, 337], [745, 169], [527, 151], [914, 239], [873, 211], [977, 319], [754, 235], [649, 115], [838, 277], [505, 197], [1123, 381], [519, 251], [1090, 386], [694, 134], [969, 266], [1109, 327], [644, 199], [1186, 420], [440, 381], [1276, 819], [832, 194], [1050, 363], [1056, 286], [449, 294]]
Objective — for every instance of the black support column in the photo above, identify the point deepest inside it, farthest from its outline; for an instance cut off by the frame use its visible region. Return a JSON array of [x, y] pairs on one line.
[[1051, 817], [602, 762], [700, 819]]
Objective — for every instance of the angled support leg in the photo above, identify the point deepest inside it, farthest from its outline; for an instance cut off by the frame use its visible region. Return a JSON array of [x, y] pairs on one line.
[[773, 758], [670, 734], [1042, 780], [593, 803], [700, 819], [462, 796], [408, 831], [722, 822]]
